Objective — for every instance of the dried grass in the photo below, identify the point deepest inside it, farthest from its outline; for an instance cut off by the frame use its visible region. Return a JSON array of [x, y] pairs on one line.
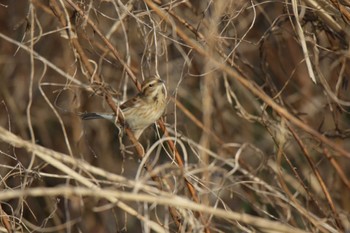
[[255, 137]]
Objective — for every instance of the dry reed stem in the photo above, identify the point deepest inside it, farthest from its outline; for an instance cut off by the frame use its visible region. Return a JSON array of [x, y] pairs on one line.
[[230, 149], [319, 179], [115, 196]]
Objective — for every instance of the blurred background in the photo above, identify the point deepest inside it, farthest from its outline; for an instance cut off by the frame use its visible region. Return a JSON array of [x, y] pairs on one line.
[[240, 154]]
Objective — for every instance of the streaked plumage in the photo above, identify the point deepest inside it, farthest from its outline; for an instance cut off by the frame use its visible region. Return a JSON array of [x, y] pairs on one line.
[[142, 110]]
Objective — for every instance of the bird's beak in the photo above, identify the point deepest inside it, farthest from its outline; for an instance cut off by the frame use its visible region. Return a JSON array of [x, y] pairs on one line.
[[160, 80]]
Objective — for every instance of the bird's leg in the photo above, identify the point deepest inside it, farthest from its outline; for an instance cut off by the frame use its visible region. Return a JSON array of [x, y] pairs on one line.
[[120, 138], [123, 148]]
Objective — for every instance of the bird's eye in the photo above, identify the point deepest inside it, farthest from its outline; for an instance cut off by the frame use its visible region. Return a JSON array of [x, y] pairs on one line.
[[151, 85]]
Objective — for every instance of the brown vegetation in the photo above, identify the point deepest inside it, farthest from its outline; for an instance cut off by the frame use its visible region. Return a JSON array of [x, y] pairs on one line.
[[255, 137]]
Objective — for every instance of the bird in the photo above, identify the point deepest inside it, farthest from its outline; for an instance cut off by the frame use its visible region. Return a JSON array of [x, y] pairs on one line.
[[140, 111]]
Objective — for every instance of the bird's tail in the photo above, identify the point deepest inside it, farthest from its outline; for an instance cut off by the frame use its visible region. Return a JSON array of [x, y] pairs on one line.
[[94, 115]]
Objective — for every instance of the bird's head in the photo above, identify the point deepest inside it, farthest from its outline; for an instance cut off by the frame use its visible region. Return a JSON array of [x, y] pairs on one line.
[[153, 88]]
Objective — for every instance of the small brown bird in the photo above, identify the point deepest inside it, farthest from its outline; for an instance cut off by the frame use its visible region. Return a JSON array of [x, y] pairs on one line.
[[142, 110]]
